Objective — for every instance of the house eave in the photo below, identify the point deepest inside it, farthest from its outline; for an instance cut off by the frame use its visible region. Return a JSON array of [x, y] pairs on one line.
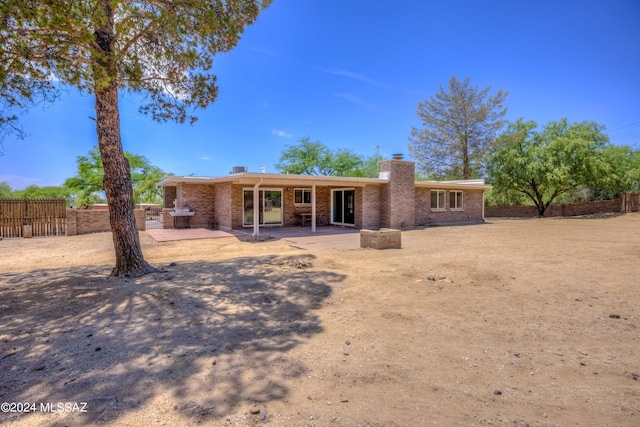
[[273, 179]]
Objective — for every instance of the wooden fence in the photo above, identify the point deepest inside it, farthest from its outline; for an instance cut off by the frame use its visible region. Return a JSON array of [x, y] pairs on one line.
[[631, 202], [45, 217]]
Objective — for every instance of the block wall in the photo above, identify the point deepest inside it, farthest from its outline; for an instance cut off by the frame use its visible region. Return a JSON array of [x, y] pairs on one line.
[[85, 221], [573, 209]]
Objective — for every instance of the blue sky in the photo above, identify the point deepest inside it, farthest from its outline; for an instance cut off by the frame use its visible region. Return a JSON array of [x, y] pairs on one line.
[[350, 75]]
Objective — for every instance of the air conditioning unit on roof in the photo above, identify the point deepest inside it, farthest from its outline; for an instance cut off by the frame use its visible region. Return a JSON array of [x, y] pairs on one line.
[[239, 169]]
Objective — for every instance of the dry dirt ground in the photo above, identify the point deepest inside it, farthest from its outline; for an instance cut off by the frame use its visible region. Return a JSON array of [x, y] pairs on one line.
[[528, 322]]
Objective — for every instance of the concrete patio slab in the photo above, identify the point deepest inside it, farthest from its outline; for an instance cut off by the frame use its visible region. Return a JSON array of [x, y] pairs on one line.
[[327, 237], [172, 234]]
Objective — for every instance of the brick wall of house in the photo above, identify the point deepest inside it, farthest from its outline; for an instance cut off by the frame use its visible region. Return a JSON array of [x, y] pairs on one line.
[[471, 212], [371, 207], [573, 209], [85, 221], [292, 211], [236, 206], [170, 194], [199, 198], [398, 196], [223, 210]]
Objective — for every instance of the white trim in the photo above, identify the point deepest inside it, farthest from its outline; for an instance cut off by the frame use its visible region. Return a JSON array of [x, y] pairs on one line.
[[256, 212], [444, 202], [346, 224], [457, 208], [303, 190]]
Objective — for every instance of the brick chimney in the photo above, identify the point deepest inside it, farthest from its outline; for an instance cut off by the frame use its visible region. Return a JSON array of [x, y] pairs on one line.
[[397, 198]]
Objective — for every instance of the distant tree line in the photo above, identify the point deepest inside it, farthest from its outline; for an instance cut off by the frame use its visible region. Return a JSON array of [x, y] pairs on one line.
[[464, 135], [86, 187], [315, 158]]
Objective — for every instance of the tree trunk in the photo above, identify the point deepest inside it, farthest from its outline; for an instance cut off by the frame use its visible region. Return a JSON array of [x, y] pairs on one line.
[[118, 188], [117, 175]]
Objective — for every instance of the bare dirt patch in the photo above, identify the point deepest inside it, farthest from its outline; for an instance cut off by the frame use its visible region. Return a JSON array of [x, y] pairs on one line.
[[513, 322]]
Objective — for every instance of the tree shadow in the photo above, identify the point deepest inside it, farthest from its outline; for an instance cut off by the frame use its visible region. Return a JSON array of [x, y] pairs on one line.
[[212, 334]]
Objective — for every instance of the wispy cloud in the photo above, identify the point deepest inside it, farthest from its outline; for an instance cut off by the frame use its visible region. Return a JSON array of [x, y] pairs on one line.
[[264, 51], [351, 75], [353, 99], [364, 79], [281, 133], [206, 158]]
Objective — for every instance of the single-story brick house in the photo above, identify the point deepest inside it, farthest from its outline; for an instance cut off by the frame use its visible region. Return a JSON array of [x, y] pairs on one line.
[[394, 200]]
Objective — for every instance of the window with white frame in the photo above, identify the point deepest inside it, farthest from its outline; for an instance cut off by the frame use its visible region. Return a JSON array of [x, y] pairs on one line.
[[302, 196], [455, 200], [437, 199]]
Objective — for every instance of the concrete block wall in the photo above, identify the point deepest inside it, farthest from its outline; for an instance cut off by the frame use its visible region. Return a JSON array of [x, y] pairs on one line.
[[85, 221], [471, 212]]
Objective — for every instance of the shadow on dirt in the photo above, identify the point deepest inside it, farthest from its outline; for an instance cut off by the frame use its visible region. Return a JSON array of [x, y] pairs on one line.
[[206, 337]]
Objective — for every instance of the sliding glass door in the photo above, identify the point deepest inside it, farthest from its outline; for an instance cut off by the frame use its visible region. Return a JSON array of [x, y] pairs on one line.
[[270, 207], [343, 207]]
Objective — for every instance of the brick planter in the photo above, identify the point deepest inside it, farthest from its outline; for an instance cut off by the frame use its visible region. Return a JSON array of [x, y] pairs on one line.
[[385, 238]]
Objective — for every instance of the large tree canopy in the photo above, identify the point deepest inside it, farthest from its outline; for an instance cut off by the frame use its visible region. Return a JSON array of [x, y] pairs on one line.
[[542, 165], [87, 182], [459, 125], [315, 158], [163, 50]]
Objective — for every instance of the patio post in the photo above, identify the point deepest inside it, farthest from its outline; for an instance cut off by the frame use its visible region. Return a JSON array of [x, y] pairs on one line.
[[313, 208], [256, 209]]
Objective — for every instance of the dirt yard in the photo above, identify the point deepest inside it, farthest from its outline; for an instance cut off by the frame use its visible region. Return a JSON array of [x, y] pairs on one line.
[[510, 323]]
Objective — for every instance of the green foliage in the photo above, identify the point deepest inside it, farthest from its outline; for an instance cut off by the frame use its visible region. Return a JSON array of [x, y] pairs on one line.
[[5, 190], [543, 165], [459, 126], [47, 192], [622, 173], [315, 158], [34, 192], [161, 49], [87, 184], [368, 168]]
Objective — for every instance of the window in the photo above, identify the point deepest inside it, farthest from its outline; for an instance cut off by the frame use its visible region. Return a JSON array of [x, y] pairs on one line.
[[455, 200], [302, 196], [437, 199]]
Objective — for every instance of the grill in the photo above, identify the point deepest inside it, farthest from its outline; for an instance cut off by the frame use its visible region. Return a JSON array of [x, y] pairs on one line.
[[181, 217]]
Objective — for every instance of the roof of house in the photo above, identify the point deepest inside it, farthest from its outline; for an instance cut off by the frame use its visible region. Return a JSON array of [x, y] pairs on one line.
[[266, 179]]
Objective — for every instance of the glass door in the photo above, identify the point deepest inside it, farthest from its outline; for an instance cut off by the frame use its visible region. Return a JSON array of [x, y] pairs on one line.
[[270, 207], [343, 207]]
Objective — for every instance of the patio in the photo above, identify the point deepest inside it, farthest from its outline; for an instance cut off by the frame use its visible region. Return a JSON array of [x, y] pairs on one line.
[[326, 237]]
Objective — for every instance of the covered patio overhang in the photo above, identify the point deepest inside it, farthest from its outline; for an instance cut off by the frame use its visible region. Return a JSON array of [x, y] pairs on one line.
[[257, 180]]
